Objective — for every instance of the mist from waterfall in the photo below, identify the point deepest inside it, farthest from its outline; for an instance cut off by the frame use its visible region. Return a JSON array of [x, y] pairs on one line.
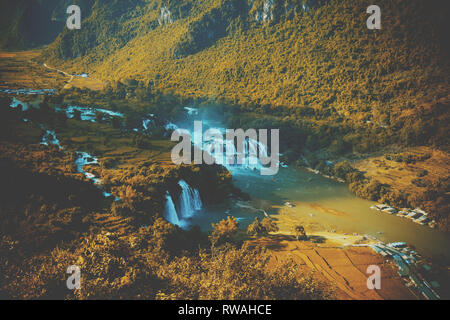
[[251, 151]]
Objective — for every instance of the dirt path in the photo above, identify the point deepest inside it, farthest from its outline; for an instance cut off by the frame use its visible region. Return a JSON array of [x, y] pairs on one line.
[[77, 81], [63, 72]]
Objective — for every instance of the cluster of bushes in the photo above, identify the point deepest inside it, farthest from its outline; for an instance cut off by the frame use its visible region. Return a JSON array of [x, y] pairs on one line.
[[408, 157], [157, 262], [43, 200], [262, 228]]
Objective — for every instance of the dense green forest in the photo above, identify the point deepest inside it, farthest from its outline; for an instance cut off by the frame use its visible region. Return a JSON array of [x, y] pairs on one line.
[[312, 61]]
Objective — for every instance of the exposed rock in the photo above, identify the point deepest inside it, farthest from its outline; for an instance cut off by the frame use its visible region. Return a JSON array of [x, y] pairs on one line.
[[165, 16], [265, 14]]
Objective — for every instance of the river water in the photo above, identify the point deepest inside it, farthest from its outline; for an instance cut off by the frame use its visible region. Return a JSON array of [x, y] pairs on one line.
[[318, 201]]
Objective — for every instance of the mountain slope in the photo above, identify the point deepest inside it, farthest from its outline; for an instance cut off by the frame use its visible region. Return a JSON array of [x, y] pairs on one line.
[[317, 57]]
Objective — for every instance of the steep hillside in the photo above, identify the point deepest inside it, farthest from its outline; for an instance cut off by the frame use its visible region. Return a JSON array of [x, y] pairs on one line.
[[297, 56]]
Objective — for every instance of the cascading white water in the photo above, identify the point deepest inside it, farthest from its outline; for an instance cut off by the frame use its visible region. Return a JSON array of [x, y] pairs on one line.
[[170, 212], [84, 159], [190, 201], [252, 150]]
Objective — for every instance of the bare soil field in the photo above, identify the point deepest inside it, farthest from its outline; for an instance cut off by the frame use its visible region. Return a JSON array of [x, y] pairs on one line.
[[343, 267], [18, 71]]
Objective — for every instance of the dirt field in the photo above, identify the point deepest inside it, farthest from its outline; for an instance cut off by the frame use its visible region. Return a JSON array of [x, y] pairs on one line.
[[18, 70], [334, 259], [343, 267]]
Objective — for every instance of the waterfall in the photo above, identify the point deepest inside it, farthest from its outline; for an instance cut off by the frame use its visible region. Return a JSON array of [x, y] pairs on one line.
[[84, 159], [170, 212], [221, 150], [251, 150], [190, 201]]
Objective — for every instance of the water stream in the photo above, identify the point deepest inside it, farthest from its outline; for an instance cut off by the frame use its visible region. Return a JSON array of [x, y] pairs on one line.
[[318, 201]]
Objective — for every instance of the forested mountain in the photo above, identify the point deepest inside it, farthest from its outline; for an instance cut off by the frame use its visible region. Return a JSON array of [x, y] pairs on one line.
[[28, 23], [294, 59]]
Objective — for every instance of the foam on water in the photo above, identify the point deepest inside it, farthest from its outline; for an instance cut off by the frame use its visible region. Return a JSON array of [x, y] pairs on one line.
[[50, 138]]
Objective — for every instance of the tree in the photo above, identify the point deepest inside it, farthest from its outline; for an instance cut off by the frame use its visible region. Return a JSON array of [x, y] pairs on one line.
[[300, 233], [223, 231], [256, 228], [262, 228], [269, 225]]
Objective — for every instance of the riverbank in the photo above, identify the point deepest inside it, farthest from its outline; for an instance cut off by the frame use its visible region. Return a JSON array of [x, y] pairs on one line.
[[402, 178]]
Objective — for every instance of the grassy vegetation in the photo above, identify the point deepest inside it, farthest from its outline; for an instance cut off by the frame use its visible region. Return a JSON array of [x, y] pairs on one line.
[[147, 265]]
